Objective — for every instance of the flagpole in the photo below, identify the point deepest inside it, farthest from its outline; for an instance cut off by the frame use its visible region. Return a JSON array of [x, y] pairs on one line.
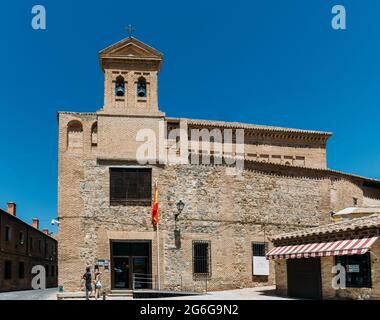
[[158, 257], [158, 240]]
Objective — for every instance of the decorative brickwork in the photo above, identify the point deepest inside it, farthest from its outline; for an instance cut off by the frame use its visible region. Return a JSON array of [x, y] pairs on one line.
[[268, 198]]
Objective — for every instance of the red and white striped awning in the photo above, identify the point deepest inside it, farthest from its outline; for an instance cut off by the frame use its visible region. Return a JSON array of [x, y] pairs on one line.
[[322, 249]]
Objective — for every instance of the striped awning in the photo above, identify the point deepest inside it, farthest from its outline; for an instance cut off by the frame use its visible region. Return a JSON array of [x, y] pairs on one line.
[[322, 249]]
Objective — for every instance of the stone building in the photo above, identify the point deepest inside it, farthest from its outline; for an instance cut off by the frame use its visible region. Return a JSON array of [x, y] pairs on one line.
[[305, 260], [221, 235], [23, 246]]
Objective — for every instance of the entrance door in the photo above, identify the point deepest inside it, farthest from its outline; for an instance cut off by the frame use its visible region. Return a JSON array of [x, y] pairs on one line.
[[131, 264], [304, 278], [121, 273], [142, 277]]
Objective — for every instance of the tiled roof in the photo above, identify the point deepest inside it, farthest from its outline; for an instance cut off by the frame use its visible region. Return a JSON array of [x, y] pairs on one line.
[[372, 221], [316, 170], [357, 210], [77, 113], [25, 223], [249, 126]]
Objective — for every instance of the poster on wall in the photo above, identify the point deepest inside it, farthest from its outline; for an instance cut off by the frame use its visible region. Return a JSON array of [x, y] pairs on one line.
[[106, 266], [353, 268], [260, 266]]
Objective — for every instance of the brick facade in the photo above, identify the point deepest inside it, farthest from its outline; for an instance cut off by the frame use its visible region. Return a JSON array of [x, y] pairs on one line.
[[285, 186], [18, 250]]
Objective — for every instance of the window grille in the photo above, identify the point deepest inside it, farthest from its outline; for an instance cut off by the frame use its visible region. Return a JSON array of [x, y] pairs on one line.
[[201, 259], [130, 185]]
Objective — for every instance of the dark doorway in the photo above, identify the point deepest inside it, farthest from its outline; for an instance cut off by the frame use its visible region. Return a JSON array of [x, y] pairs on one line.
[[131, 264], [304, 278]]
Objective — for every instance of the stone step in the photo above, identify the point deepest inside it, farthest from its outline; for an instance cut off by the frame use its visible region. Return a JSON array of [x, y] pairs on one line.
[[71, 295], [121, 293]]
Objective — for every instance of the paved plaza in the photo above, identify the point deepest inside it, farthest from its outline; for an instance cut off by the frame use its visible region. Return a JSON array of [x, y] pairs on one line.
[[260, 293]]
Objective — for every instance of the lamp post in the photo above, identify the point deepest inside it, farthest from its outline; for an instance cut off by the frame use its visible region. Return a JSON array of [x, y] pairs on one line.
[[177, 231], [180, 206]]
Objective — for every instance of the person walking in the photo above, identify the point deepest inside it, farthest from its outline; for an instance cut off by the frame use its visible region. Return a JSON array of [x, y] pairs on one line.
[[98, 285], [87, 277]]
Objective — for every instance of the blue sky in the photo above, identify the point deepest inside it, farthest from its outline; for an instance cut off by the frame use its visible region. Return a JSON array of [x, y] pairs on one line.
[[270, 62]]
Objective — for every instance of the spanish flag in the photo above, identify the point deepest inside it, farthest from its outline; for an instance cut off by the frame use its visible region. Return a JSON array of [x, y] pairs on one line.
[[155, 205]]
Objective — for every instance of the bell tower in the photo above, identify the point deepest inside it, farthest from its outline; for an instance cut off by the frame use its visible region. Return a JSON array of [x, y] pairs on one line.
[[131, 70]]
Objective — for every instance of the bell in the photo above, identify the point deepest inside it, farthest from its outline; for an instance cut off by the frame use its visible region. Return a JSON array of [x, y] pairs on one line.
[[141, 92], [120, 91]]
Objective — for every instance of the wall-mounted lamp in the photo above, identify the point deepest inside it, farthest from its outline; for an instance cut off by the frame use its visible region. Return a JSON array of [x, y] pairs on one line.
[[55, 222], [180, 206]]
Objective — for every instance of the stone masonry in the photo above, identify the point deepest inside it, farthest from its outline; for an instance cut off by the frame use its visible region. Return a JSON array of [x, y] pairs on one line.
[[285, 186]]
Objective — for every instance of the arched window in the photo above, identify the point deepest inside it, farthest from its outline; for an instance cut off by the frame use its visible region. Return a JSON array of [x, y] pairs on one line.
[[120, 87], [141, 87], [94, 135], [74, 136]]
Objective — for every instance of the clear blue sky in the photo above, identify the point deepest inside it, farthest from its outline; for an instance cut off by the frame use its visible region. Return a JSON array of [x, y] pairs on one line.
[[268, 62]]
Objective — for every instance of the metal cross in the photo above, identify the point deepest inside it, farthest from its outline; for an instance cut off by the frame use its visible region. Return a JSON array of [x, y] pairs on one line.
[[130, 30]]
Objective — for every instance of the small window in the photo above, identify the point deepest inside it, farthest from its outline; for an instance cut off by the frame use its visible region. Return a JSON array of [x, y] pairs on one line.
[[355, 201], [129, 185], [94, 135], [141, 88], [201, 259], [276, 158], [288, 160], [8, 270], [259, 249], [252, 156], [120, 87], [21, 270], [7, 233], [358, 270], [31, 243], [21, 238], [75, 136]]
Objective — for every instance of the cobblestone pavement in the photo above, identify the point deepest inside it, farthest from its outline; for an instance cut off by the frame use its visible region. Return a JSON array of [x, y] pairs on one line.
[[47, 294]]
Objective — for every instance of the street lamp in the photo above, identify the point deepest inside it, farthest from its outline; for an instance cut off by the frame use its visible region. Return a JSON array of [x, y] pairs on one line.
[[55, 222], [180, 206]]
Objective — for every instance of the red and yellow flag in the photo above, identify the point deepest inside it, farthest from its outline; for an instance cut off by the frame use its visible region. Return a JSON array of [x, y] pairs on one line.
[[155, 205]]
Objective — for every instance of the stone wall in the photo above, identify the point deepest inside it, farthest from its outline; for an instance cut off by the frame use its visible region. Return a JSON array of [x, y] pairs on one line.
[[371, 196], [230, 211], [328, 292], [343, 192]]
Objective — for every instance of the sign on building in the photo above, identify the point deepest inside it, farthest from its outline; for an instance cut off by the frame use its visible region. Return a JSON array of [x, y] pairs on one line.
[[260, 266]]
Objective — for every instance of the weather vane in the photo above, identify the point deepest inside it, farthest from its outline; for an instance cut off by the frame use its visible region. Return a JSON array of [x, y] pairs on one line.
[[130, 30]]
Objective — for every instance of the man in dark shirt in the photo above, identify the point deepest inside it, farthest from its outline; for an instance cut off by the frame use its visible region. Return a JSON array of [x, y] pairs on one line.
[[87, 277]]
